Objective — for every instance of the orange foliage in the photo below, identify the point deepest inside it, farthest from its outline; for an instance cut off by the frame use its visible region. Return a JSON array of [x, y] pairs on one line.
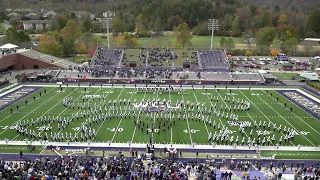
[[275, 51]]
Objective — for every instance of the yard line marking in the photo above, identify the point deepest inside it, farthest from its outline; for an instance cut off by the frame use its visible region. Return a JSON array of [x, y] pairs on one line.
[[115, 132], [184, 106], [102, 121], [295, 114], [212, 105], [154, 117], [45, 114], [230, 107], [285, 119], [261, 111], [205, 125], [29, 113], [22, 106], [170, 117], [135, 127]]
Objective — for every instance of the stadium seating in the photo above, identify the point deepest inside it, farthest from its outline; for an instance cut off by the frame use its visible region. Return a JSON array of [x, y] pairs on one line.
[[247, 76], [105, 57], [48, 58], [212, 60]]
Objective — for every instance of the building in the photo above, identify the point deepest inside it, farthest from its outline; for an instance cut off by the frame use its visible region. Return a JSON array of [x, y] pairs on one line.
[[14, 15], [33, 16], [83, 14], [49, 14], [39, 25], [312, 40]]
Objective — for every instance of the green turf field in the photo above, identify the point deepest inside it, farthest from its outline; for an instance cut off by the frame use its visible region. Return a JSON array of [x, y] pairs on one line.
[[263, 108]]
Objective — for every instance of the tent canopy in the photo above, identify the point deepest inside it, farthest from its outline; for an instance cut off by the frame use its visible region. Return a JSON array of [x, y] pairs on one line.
[[8, 46]]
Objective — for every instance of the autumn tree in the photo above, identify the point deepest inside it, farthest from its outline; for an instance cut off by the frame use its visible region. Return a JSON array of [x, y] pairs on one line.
[[71, 31], [49, 45], [183, 35]]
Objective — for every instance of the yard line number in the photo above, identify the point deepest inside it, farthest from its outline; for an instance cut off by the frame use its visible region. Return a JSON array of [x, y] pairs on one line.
[[191, 131]]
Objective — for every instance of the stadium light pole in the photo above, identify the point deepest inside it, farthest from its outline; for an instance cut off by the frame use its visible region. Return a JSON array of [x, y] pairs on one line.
[[108, 15], [213, 24]]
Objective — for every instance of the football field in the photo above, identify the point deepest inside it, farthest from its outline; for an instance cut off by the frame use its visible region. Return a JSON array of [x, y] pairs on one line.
[[176, 127]]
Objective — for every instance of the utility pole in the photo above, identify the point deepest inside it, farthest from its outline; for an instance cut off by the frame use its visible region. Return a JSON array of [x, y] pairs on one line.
[[213, 24], [107, 23]]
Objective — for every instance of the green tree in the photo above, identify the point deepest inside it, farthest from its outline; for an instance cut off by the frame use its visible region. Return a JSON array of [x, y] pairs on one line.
[[13, 22], [23, 36], [183, 35], [87, 25], [264, 39], [158, 26], [291, 45], [71, 31], [227, 44], [314, 21], [68, 48], [12, 35]]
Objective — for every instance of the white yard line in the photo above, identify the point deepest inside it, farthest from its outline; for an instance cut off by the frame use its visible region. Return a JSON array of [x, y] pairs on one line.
[[284, 119], [261, 111], [29, 113], [102, 122], [46, 113], [170, 118], [212, 105], [154, 117], [245, 111], [22, 106], [294, 113], [184, 106], [135, 127], [115, 132], [205, 125]]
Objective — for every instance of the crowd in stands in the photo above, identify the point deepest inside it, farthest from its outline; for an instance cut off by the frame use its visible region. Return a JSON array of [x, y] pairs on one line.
[[132, 168], [213, 59], [107, 57]]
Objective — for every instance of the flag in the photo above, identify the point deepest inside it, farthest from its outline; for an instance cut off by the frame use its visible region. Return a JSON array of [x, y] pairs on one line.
[[84, 77]]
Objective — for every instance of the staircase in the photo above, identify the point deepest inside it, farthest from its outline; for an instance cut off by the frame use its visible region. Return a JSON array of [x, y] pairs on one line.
[[48, 58]]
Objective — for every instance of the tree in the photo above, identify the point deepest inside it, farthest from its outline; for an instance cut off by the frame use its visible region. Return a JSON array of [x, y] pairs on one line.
[[71, 31], [227, 44], [264, 38], [87, 24], [49, 45], [158, 26], [23, 36], [291, 45], [314, 22], [183, 35], [201, 29], [12, 35], [13, 22], [248, 53], [282, 19], [68, 48]]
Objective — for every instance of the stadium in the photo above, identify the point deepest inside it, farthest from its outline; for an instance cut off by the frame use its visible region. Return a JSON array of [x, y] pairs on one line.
[[160, 102]]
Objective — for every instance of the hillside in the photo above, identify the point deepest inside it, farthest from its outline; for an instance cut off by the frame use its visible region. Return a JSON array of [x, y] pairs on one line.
[[304, 5]]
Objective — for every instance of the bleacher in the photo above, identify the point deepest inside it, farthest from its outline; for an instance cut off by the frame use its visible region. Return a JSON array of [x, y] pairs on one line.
[[212, 60], [247, 76], [48, 58], [107, 57]]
